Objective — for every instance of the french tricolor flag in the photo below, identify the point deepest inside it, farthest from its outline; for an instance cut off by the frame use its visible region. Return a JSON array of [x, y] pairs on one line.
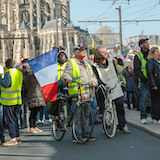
[[44, 68]]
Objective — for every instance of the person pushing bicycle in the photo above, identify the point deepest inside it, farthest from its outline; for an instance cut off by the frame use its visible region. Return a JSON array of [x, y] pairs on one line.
[[77, 69], [105, 73]]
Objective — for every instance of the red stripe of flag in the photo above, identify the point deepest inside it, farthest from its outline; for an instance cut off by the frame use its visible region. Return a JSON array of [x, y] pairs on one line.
[[50, 92]]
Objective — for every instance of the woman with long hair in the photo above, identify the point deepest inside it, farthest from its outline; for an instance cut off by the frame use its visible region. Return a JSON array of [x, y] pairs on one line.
[[153, 72]]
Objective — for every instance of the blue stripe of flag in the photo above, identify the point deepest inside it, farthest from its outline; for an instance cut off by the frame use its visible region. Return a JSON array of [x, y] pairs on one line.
[[43, 60]]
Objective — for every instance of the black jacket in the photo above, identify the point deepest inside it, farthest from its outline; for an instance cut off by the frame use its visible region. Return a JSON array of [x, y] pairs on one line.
[[34, 92], [137, 67], [153, 72]]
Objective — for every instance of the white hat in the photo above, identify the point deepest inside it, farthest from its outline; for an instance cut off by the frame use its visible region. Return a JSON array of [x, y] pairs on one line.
[[62, 51]]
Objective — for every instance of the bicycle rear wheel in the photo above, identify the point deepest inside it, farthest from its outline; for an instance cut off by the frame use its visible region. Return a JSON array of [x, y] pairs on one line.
[[83, 123], [109, 122], [60, 122]]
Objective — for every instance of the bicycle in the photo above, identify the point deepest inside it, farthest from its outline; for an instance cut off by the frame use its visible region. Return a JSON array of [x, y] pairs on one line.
[[109, 119], [63, 120]]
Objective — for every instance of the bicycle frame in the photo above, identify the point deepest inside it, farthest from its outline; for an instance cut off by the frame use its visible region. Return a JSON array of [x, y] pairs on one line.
[[80, 100], [107, 96]]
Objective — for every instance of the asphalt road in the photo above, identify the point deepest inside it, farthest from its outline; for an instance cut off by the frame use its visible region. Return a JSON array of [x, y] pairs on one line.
[[136, 146]]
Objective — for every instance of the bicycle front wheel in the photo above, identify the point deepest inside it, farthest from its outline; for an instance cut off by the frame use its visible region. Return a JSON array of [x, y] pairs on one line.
[[60, 122], [83, 123], [109, 122]]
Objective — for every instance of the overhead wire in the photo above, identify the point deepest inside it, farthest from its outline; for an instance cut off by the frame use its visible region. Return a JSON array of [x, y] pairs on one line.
[[141, 14], [99, 15]]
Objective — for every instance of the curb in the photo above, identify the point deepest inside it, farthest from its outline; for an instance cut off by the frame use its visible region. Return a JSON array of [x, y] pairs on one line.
[[144, 129]]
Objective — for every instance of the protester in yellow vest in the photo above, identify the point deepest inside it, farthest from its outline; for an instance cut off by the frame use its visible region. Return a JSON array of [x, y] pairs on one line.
[[62, 61], [140, 61], [80, 70], [61, 64], [120, 68], [11, 87]]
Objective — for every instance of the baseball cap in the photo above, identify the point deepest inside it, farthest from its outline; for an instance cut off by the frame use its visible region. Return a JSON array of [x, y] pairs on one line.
[[141, 41], [79, 47]]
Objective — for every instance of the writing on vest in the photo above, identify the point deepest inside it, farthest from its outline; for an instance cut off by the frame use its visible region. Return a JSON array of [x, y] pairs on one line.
[[12, 95], [73, 86], [61, 69], [143, 63]]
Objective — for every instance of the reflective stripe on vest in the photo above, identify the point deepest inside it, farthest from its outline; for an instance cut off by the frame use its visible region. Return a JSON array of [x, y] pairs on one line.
[[73, 87], [61, 69], [12, 95], [143, 63]]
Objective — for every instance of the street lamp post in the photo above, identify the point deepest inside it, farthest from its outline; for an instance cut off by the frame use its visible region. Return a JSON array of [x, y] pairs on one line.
[[120, 28]]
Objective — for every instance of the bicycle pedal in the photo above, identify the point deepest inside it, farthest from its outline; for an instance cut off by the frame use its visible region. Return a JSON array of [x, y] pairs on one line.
[[64, 129]]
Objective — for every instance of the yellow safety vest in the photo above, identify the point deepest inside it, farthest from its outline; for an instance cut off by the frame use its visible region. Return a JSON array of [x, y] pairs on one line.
[[73, 86], [61, 69], [143, 63], [123, 78], [12, 95]]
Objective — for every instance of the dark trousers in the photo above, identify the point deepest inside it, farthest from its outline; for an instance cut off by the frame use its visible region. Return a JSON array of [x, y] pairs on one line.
[[120, 112], [33, 116], [134, 99], [1, 133], [155, 100], [100, 101], [12, 120], [1, 123]]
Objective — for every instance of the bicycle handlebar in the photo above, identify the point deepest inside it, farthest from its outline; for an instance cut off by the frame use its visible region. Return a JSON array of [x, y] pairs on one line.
[[109, 90]]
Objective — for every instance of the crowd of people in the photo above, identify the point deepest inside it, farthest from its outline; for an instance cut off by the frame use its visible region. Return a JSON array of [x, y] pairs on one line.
[[21, 92]]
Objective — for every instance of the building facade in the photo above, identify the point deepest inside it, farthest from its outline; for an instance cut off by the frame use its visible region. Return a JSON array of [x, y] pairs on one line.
[[33, 27]]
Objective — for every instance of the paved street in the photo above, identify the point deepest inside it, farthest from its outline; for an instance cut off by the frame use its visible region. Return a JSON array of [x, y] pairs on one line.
[[138, 145]]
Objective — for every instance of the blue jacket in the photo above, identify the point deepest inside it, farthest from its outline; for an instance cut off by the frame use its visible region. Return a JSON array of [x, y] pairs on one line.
[[130, 81], [6, 82]]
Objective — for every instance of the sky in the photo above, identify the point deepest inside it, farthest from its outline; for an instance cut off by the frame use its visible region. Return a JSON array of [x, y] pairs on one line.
[[85, 10]]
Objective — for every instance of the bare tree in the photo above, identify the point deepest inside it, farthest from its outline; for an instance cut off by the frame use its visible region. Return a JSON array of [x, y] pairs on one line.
[[107, 35]]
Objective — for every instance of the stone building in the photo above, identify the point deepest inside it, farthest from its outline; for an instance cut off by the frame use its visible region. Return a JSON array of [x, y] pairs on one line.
[[33, 27]]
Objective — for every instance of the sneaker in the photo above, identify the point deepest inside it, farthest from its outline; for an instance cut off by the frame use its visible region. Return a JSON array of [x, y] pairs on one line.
[[125, 130], [92, 139], [143, 121], [42, 121], [25, 129], [154, 121], [50, 120], [74, 141], [158, 122], [33, 131], [39, 121], [38, 130], [10, 143]]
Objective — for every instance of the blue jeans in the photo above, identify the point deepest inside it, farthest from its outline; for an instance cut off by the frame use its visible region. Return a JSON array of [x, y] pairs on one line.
[[43, 114], [40, 115], [94, 107], [134, 98], [144, 90]]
